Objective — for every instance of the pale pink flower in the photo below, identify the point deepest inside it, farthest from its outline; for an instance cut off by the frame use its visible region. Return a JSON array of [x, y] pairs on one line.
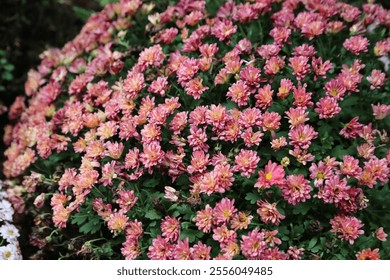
[[297, 116], [246, 162], [152, 155], [335, 190], [239, 93], [250, 117], [224, 211], [274, 65], [302, 135], [133, 84], [376, 79], [241, 220], [327, 107], [285, 87], [171, 194], [199, 162], [270, 121], [346, 227], [356, 44], [170, 228], [269, 213], [182, 250], [335, 89], [195, 88], [350, 167], [223, 29], [296, 189], [380, 234], [159, 86], [224, 235], [352, 129], [200, 251], [313, 29], [304, 50], [380, 111], [187, 70], [251, 76], [300, 66], [302, 98], [130, 249], [295, 253], [126, 200], [251, 138], [197, 139], [204, 219], [264, 97], [280, 34], [278, 143], [160, 249], [117, 222], [253, 244]]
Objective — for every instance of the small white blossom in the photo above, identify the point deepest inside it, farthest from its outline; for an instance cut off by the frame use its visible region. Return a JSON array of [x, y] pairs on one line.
[[9, 252], [9, 232]]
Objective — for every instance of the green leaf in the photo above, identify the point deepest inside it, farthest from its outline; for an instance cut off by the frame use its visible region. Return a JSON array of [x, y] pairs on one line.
[[301, 209], [83, 14], [252, 197], [192, 234], [153, 215], [150, 183], [312, 242]]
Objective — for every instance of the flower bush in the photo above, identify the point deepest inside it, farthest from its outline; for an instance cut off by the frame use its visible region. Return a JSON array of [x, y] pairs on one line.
[[209, 130]]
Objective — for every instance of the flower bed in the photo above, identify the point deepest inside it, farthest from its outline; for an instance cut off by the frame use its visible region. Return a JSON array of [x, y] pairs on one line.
[[209, 130]]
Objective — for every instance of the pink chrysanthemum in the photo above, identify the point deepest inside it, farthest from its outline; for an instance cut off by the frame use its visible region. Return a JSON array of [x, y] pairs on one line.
[[302, 135], [253, 245], [273, 175], [224, 211], [204, 219], [356, 44], [368, 254], [117, 222], [170, 228], [269, 213], [160, 249], [246, 162], [347, 228], [296, 189]]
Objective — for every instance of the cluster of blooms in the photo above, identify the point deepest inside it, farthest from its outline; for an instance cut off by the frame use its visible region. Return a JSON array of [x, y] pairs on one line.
[[9, 245], [228, 105]]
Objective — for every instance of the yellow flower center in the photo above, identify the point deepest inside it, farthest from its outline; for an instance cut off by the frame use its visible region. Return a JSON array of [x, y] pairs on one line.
[[268, 176], [320, 175], [7, 254]]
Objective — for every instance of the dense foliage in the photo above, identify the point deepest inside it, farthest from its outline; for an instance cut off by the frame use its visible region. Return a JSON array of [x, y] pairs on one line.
[[209, 129]]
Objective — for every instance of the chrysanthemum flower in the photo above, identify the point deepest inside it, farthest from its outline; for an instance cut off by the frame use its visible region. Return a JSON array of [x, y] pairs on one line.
[[347, 228], [273, 175], [269, 213], [368, 254]]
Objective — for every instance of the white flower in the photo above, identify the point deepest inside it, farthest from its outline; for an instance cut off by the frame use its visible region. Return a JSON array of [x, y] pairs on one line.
[[9, 252], [6, 211], [9, 232]]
